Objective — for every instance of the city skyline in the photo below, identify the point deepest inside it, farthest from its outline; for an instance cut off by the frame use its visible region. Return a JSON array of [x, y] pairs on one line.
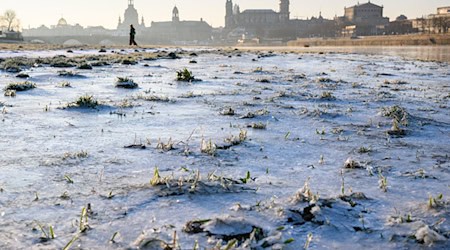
[[212, 11]]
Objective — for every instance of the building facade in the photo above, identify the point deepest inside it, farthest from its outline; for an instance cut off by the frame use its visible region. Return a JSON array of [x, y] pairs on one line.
[[363, 20], [270, 25], [434, 23], [255, 17], [62, 28], [440, 22], [443, 10], [400, 26], [179, 32]]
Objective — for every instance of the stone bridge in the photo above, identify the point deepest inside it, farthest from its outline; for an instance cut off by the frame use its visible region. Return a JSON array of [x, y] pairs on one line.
[[78, 40]]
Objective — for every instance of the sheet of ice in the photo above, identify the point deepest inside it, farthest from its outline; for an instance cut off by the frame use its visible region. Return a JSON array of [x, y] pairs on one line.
[[318, 110]]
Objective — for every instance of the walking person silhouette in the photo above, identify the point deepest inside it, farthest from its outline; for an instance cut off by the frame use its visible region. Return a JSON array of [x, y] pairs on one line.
[[132, 35]]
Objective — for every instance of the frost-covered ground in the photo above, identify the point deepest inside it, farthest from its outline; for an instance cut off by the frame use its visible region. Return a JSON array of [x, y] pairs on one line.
[[270, 150]]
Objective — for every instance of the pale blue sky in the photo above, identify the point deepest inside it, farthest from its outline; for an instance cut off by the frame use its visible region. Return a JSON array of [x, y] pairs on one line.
[[33, 13]]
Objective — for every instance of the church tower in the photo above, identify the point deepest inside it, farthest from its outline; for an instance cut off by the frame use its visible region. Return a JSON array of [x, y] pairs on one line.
[[229, 14], [175, 15], [284, 11]]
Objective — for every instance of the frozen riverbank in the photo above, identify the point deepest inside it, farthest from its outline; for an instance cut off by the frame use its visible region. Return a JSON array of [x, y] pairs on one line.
[[271, 149]]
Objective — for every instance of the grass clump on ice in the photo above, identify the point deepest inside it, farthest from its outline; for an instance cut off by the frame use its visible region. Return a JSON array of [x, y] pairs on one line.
[[208, 147], [85, 101], [67, 73], [85, 66], [258, 125], [61, 62], [15, 65], [75, 155], [186, 76], [327, 96], [129, 61], [126, 83], [236, 140], [10, 93], [64, 84], [396, 112], [153, 98], [399, 117], [20, 86]]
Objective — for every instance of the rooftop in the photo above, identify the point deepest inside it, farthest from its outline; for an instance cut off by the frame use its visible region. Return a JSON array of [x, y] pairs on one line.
[[259, 11]]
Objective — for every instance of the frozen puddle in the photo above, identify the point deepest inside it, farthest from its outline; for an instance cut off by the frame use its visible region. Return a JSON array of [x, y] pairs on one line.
[[268, 151]]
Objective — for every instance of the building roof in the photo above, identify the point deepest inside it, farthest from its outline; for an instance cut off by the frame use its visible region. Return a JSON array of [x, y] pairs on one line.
[[161, 24], [401, 18], [443, 10], [179, 24], [259, 11], [365, 5]]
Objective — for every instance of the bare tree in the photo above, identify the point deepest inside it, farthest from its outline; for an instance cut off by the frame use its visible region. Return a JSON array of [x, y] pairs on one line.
[[439, 25], [10, 19], [443, 24], [446, 24]]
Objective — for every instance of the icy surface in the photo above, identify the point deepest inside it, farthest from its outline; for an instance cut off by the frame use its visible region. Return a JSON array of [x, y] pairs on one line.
[[317, 118]]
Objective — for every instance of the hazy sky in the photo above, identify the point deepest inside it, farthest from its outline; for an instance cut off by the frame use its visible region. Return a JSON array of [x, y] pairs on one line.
[[33, 13]]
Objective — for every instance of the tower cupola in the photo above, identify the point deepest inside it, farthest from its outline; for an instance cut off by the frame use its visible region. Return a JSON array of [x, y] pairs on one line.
[[175, 15]]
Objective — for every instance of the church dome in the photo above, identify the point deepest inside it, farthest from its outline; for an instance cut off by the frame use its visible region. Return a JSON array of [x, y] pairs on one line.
[[62, 22], [131, 12], [131, 16], [401, 18]]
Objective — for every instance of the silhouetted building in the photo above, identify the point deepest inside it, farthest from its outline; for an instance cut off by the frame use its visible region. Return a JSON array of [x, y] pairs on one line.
[[400, 26], [255, 18], [252, 25], [11, 35], [363, 20], [62, 28], [269, 26], [64, 33], [179, 32], [319, 27], [131, 17]]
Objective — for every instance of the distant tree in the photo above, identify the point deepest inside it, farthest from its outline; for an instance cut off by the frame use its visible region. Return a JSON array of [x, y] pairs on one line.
[[446, 24], [441, 24], [10, 20]]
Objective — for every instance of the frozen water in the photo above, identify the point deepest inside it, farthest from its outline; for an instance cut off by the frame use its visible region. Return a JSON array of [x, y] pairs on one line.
[[314, 112]]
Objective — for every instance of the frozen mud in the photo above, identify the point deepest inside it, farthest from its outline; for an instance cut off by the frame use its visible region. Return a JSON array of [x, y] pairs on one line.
[[270, 150]]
